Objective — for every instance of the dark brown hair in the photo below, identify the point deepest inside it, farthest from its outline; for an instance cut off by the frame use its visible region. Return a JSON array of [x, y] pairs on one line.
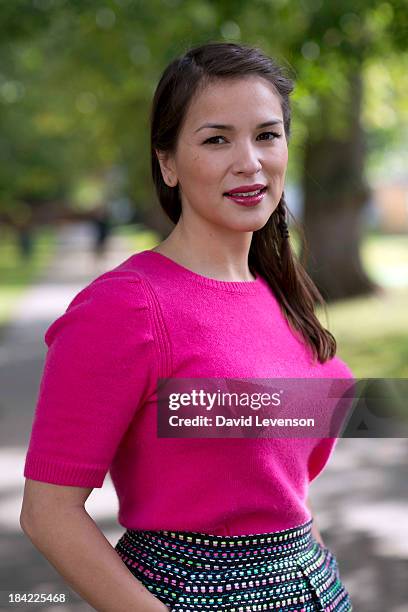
[[270, 253]]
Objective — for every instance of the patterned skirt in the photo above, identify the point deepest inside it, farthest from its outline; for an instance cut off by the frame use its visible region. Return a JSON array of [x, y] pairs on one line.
[[197, 572]]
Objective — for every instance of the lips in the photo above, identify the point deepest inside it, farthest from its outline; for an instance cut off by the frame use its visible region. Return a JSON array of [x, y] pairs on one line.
[[245, 194], [247, 190], [247, 200]]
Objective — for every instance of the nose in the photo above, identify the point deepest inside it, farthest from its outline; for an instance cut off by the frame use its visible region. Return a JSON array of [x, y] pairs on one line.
[[247, 159]]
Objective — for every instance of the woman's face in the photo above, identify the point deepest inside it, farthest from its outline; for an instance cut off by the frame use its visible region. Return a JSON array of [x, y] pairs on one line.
[[210, 161]]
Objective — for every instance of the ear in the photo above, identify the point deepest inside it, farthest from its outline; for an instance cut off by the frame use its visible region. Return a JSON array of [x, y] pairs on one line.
[[167, 167]]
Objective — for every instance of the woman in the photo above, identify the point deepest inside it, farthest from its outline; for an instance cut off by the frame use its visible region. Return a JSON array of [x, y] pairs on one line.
[[211, 524]]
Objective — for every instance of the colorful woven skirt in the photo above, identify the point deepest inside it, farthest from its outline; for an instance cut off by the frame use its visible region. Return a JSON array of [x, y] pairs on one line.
[[198, 572]]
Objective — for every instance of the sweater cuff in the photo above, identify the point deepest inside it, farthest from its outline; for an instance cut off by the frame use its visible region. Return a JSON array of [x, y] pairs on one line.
[[57, 471]]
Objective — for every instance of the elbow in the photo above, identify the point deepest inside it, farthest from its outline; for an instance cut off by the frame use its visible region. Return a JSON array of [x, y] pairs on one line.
[[35, 528], [35, 508], [23, 522], [24, 517], [26, 523], [30, 519]]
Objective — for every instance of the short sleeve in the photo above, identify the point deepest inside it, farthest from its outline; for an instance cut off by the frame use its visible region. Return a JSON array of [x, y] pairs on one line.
[[99, 370]]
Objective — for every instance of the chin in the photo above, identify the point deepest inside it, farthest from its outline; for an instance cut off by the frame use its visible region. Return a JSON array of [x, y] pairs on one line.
[[250, 225]]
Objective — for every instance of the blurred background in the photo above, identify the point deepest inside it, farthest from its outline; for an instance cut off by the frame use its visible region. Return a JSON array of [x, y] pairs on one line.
[[76, 199]]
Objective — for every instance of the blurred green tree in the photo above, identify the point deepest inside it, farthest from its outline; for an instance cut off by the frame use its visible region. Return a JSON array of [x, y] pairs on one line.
[[76, 81]]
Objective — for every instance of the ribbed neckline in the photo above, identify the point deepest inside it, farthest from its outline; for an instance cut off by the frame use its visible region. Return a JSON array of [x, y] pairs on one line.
[[234, 286]]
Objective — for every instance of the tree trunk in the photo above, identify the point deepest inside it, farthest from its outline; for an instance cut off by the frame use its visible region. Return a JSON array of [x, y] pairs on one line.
[[334, 193]]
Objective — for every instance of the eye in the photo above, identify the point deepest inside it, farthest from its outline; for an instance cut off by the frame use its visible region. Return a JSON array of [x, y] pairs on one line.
[[275, 134], [214, 138], [211, 140]]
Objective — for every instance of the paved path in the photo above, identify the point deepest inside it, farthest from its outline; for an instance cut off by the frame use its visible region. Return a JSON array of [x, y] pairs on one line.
[[360, 501]]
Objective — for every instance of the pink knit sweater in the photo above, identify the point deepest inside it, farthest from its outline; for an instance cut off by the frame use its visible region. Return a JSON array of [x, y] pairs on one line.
[[96, 412]]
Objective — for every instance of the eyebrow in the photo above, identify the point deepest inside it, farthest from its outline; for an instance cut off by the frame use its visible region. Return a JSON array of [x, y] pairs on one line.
[[220, 126]]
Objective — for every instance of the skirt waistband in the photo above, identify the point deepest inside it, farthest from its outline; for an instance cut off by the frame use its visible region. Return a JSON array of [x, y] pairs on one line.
[[277, 544]]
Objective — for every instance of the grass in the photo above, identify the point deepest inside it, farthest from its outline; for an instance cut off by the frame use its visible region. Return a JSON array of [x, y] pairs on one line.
[[372, 331], [17, 273]]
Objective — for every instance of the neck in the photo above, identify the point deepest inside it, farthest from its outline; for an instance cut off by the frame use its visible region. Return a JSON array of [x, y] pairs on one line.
[[221, 259]]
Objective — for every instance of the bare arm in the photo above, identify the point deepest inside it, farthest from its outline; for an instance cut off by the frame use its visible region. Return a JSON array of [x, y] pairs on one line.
[[55, 520], [315, 530]]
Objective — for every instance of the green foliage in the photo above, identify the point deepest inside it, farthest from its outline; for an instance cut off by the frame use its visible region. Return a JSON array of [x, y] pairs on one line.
[[76, 78]]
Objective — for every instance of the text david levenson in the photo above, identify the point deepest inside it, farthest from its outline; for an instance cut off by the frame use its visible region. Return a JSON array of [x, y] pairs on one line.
[[242, 421]]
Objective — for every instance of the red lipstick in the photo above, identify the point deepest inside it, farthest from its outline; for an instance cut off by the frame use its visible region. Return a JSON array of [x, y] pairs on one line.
[[253, 194], [245, 188]]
